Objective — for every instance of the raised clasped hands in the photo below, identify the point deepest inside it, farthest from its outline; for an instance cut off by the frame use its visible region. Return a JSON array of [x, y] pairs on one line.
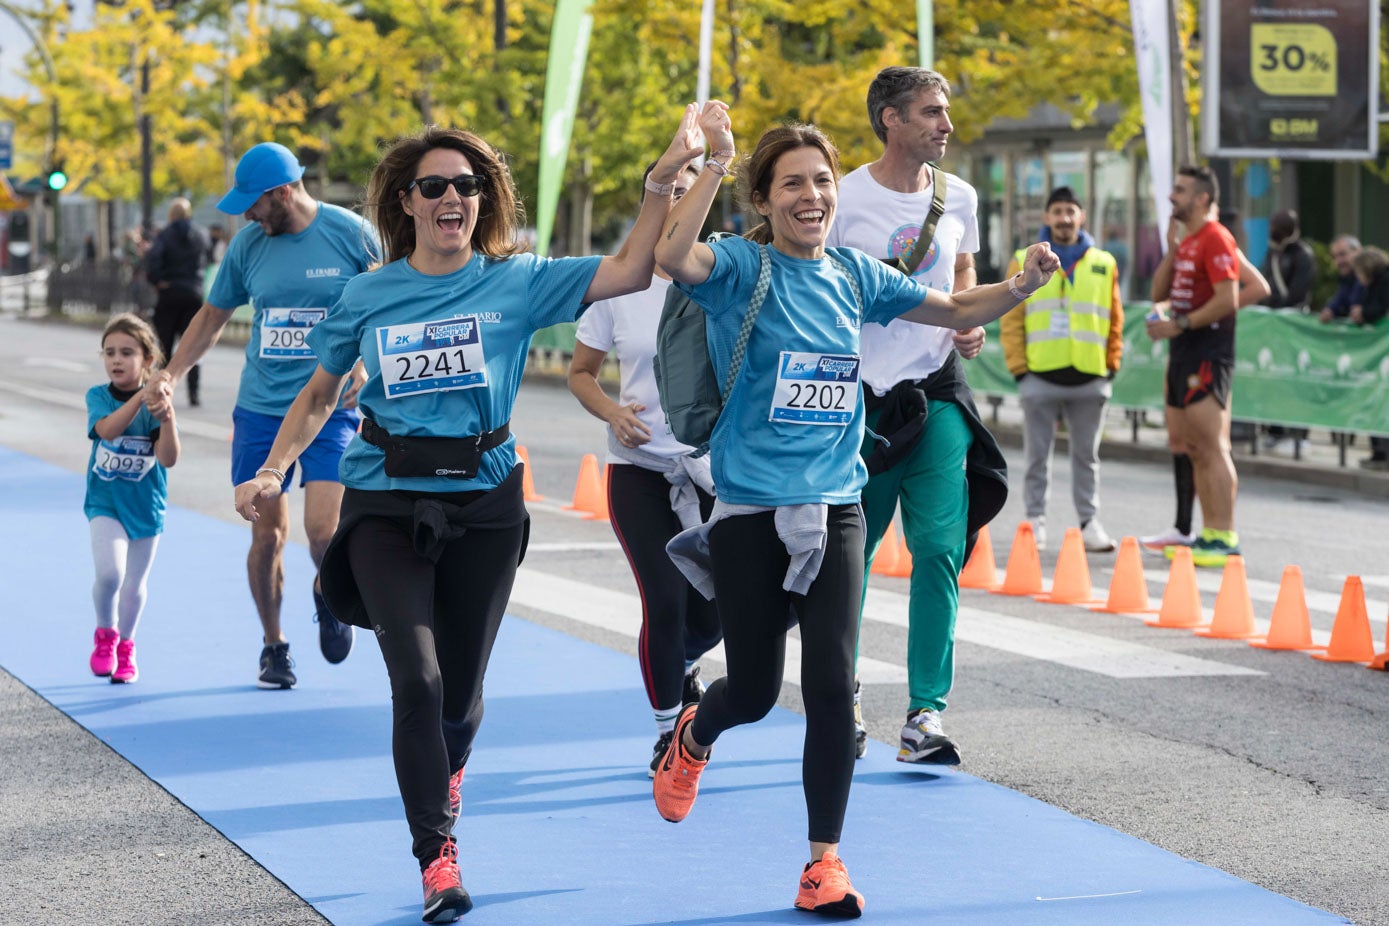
[[717, 125], [159, 394], [687, 145]]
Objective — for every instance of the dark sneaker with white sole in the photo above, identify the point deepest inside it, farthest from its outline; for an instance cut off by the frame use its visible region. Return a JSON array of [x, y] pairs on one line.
[[334, 637], [924, 741], [276, 668]]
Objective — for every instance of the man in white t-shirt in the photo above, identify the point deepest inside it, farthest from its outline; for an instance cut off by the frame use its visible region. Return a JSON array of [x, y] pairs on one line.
[[915, 390]]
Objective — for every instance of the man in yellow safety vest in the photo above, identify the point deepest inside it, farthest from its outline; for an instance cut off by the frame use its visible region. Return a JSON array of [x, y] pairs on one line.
[[1063, 346]]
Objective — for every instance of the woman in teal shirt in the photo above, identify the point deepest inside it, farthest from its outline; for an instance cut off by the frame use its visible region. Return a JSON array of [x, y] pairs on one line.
[[433, 526], [785, 542]]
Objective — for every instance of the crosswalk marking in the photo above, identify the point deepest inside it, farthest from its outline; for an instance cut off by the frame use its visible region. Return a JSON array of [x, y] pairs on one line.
[[620, 612], [1261, 590], [1074, 648]]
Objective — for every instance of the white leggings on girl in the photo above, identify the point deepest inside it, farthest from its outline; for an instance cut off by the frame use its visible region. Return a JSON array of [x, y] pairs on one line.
[[122, 568]]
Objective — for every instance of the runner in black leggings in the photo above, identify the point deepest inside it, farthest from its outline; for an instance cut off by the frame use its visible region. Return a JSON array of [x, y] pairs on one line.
[[433, 525], [654, 487], [784, 543]]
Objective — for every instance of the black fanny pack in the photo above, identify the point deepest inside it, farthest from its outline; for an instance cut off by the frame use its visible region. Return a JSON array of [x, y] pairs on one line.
[[450, 457]]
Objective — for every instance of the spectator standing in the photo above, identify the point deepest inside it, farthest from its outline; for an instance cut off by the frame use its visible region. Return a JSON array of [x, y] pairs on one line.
[[1371, 267], [1063, 345], [1289, 265], [174, 267], [915, 393], [1349, 291]]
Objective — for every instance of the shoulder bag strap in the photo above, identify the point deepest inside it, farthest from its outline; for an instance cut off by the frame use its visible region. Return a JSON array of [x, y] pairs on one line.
[[928, 230], [759, 295]]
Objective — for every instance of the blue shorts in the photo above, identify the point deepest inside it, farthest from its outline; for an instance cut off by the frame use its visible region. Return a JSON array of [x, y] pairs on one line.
[[253, 434]]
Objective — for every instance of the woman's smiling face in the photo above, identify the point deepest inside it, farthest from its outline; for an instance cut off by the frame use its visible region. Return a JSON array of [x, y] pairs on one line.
[[443, 226], [801, 201]]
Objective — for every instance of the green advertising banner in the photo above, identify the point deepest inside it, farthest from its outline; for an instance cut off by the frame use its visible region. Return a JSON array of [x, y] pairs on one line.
[[1289, 369], [564, 76]]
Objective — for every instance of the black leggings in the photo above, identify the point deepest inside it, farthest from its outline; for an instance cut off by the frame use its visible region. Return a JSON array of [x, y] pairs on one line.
[[750, 563], [677, 623], [436, 625], [173, 311]]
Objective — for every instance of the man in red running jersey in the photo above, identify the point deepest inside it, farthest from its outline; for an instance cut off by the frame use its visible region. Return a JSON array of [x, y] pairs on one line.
[[1196, 294]]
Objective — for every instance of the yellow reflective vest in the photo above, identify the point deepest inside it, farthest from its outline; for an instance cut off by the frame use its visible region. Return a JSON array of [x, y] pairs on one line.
[[1067, 320]]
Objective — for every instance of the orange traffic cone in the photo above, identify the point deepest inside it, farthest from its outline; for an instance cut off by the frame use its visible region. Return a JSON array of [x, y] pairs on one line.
[[980, 571], [885, 560], [528, 492], [1234, 612], [1070, 583], [1128, 589], [1382, 660], [1351, 640], [1024, 573], [1291, 625], [1181, 600], [902, 569], [589, 497]]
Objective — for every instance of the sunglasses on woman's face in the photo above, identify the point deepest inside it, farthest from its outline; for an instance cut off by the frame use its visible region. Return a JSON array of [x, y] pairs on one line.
[[433, 187]]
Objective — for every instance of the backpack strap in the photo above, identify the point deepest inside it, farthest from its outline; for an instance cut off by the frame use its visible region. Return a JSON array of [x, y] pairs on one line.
[[759, 295], [928, 229]]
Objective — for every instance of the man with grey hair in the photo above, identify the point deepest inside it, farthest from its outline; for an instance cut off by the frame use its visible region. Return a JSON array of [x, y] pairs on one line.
[[927, 447], [174, 267], [1349, 292]]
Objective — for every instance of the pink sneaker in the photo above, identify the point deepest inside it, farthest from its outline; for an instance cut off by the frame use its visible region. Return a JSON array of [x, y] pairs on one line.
[[126, 670], [104, 651]]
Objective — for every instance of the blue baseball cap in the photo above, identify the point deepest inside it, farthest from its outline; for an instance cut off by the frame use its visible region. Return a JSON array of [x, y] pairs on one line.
[[264, 167]]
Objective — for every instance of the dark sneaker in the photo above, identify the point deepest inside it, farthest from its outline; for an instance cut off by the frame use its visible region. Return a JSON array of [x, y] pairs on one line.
[[445, 900], [334, 637], [825, 889], [924, 741], [694, 688], [456, 797], [1212, 548], [677, 777], [860, 731], [276, 668], [659, 752]]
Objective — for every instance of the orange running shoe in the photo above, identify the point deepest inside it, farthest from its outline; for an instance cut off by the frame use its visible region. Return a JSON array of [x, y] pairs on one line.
[[677, 779], [825, 888], [456, 796], [444, 898]]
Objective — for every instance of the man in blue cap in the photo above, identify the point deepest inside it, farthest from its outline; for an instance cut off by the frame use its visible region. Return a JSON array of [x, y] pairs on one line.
[[290, 262]]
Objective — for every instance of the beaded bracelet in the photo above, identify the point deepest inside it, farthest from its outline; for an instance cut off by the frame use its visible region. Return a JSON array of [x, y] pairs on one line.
[[717, 167], [270, 469]]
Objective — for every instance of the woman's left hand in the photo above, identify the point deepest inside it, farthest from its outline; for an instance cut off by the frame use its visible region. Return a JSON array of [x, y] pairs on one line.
[[1038, 265], [687, 145]]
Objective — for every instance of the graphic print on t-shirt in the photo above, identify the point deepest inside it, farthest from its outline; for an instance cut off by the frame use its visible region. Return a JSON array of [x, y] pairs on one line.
[[903, 242]]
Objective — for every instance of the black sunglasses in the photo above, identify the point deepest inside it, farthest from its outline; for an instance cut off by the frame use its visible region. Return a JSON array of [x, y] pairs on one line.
[[434, 187]]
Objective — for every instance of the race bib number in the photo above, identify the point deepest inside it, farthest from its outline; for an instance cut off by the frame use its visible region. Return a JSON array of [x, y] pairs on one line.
[[431, 356], [282, 333], [126, 457], [816, 389]]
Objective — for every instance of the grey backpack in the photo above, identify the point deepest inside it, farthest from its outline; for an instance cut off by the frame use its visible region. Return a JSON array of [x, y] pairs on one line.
[[685, 378]]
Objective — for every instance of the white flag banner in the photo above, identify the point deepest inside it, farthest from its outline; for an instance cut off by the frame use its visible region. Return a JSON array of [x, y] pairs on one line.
[[1152, 54]]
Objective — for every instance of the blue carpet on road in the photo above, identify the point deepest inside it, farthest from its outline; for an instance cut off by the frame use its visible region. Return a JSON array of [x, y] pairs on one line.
[[558, 824]]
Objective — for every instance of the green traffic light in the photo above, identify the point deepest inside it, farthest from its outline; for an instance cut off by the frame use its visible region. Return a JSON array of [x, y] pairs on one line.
[[57, 180]]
